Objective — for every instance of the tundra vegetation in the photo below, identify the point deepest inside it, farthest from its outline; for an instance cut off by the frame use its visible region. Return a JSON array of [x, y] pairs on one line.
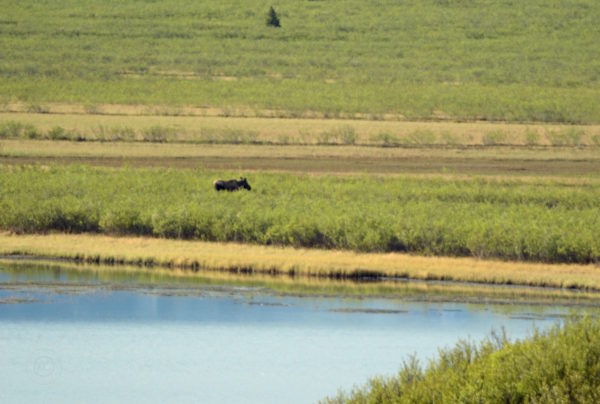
[[434, 59], [545, 220], [429, 127]]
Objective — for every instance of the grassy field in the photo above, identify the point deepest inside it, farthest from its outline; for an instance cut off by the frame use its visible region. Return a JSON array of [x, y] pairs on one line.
[[560, 366], [311, 263], [533, 220], [116, 116], [489, 59]]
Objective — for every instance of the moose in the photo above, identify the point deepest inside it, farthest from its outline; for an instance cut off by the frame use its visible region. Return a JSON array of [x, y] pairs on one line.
[[231, 185]]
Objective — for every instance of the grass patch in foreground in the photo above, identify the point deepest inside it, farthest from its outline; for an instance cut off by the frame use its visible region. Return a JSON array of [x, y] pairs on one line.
[[561, 365], [240, 258]]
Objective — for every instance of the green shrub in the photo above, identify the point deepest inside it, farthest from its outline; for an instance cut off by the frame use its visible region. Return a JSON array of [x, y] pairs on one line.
[[238, 136], [15, 129], [92, 109], [11, 129], [493, 138], [158, 134], [122, 133], [283, 139], [422, 137], [340, 135], [540, 221], [531, 137], [37, 109], [449, 139], [385, 139], [347, 135], [324, 138], [566, 137], [560, 365], [273, 18], [58, 133], [31, 132]]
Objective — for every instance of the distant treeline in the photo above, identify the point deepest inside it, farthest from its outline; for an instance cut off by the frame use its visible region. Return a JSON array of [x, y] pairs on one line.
[[541, 220]]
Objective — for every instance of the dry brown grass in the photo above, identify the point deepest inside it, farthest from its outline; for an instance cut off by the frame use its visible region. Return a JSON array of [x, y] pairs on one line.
[[193, 124], [314, 263]]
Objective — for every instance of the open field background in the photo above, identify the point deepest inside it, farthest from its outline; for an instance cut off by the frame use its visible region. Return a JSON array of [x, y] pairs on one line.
[[549, 220], [489, 59]]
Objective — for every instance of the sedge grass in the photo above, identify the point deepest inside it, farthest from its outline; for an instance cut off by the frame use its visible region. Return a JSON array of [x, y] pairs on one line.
[[232, 257]]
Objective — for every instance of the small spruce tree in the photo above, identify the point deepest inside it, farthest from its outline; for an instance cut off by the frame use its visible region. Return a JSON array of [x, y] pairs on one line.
[[273, 18]]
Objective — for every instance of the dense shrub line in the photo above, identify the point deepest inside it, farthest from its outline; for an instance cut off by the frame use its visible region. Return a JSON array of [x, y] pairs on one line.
[[558, 366], [511, 219]]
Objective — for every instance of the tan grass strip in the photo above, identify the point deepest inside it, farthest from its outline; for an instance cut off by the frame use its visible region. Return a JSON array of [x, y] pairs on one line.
[[312, 262]]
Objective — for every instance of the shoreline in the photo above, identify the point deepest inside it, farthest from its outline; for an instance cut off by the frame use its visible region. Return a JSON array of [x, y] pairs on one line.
[[313, 263], [40, 274]]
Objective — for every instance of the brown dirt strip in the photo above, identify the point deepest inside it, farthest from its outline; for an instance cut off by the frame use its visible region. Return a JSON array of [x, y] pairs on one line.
[[324, 164]]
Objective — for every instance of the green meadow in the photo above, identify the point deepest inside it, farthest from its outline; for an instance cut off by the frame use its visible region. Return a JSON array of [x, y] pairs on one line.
[[433, 59], [545, 220]]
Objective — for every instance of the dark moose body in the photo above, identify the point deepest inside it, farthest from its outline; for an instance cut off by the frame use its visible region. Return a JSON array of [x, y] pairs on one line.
[[231, 185]]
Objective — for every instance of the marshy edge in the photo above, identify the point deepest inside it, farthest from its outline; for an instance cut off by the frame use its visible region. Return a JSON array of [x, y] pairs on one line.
[[314, 263]]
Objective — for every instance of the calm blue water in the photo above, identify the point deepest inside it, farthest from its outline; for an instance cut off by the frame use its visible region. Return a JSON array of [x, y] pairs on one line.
[[226, 344]]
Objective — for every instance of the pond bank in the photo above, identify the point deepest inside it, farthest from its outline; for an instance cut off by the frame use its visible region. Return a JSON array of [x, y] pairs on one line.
[[334, 264]]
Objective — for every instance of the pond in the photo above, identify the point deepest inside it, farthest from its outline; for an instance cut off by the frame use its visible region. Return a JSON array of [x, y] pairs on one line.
[[73, 336]]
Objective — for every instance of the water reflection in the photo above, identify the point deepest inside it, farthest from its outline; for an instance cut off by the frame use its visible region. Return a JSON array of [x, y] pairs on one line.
[[117, 335]]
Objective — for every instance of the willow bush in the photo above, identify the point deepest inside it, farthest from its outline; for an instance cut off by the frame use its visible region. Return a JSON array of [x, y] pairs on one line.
[[547, 221], [561, 365]]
